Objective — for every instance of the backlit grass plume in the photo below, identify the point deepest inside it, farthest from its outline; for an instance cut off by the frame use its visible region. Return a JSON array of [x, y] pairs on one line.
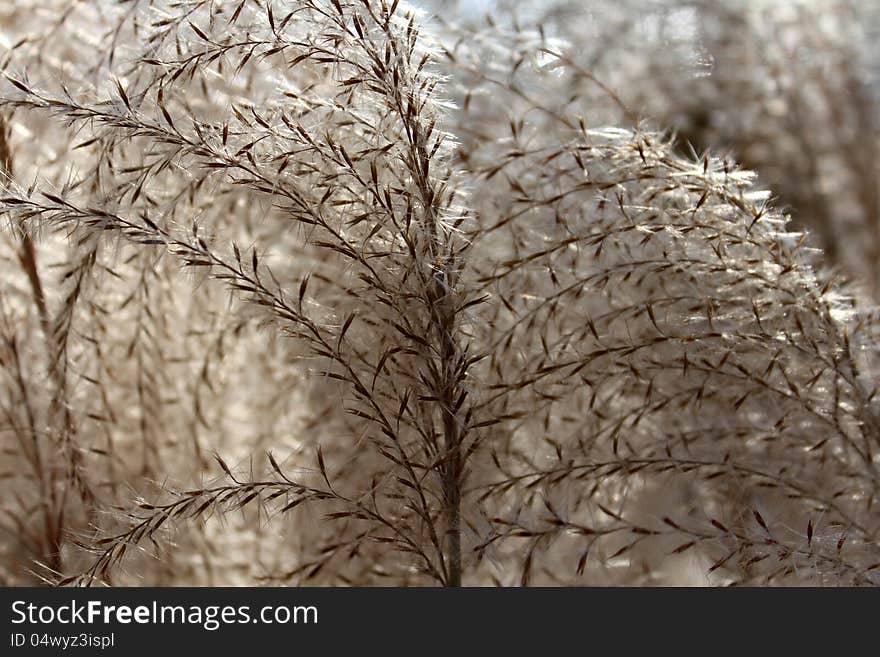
[[391, 307]]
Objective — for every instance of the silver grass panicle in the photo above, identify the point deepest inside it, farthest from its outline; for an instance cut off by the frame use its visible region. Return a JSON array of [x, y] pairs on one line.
[[344, 150], [146, 359], [604, 363], [683, 382], [39, 523], [89, 372], [812, 119], [788, 88]]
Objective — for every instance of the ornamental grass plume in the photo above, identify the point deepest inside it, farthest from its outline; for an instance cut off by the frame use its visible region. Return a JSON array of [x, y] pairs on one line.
[[787, 88], [393, 309]]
